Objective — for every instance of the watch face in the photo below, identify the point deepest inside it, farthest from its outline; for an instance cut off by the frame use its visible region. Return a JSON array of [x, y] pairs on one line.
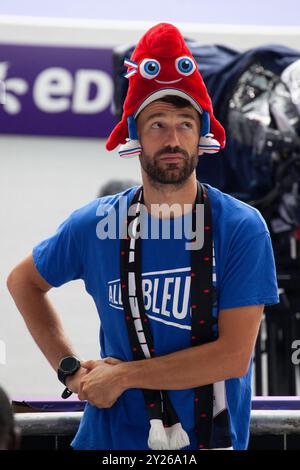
[[69, 364]]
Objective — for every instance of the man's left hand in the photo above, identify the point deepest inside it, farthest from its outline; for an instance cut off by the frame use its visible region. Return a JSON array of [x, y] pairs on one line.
[[102, 385]]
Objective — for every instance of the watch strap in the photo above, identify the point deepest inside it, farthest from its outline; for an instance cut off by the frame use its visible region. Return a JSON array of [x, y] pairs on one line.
[[61, 377], [66, 393]]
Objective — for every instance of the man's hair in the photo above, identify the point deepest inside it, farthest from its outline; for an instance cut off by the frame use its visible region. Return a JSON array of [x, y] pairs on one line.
[[177, 101]]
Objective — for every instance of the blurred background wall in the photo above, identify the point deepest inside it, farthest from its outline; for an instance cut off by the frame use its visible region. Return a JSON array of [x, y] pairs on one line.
[[53, 160]]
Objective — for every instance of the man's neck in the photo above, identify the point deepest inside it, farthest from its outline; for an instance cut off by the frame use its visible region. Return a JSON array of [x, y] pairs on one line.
[[181, 198]]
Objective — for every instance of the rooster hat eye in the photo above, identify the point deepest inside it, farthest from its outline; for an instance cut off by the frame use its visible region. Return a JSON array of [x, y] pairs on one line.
[[149, 68], [185, 65]]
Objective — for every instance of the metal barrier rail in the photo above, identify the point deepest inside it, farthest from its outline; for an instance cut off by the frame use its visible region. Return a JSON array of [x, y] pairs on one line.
[[280, 422], [48, 424]]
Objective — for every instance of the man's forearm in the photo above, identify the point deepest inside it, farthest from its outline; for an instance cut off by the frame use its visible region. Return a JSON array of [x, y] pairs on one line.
[[188, 368], [42, 321]]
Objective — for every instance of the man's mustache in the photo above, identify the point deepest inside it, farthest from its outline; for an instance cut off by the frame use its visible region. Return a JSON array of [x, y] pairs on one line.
[[170, 150]]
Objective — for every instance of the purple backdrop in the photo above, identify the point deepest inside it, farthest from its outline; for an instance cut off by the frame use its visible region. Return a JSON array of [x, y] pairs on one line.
[[56, 91]]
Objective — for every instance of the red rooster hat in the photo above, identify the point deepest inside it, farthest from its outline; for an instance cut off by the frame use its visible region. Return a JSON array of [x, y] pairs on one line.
[[161, 65]]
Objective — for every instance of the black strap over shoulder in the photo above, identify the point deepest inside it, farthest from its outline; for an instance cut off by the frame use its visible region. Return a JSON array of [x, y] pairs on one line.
[[141, 341]]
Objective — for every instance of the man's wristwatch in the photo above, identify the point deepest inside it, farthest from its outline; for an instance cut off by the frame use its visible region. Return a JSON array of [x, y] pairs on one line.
[[68, 366]]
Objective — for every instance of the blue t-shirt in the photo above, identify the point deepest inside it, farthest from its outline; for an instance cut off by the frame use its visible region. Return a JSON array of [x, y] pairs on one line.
[[244, 274]]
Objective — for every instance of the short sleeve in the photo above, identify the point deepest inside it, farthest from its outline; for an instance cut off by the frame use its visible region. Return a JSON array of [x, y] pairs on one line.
[[57, 258], [249, 276]]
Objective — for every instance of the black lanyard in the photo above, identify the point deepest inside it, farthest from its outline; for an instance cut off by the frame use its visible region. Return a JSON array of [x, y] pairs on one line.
[[157, 402]]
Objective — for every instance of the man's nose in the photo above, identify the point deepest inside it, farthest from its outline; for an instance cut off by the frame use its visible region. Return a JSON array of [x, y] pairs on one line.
[[172, 137]]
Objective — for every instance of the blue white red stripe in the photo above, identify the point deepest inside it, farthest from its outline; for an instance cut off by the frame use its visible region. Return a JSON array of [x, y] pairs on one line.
[[130, 73], [136, 151], [130, 63], [209, 146]]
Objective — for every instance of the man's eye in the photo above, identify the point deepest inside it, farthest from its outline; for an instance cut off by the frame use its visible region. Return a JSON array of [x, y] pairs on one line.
[[156, 125], [187, 125]]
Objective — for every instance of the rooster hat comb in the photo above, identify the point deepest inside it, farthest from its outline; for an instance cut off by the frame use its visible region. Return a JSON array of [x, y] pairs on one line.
[[161, 65]]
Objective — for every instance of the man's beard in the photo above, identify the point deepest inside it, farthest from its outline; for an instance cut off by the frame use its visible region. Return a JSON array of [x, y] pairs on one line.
[[175, 173]]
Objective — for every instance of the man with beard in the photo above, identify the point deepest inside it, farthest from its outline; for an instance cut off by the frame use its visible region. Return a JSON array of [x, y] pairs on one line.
[[171, 375]]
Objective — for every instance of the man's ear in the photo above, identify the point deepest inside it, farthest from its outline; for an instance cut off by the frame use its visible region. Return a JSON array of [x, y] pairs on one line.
[[14, 439]]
